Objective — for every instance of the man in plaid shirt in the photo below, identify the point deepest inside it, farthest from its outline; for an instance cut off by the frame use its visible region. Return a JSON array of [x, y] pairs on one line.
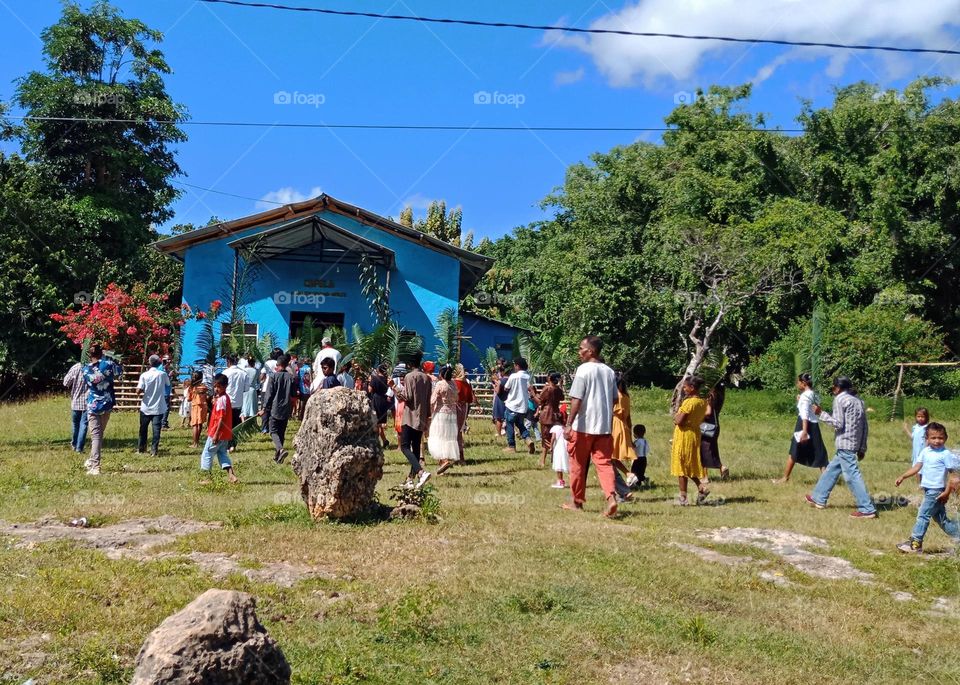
[[849, 420], [74, 382]]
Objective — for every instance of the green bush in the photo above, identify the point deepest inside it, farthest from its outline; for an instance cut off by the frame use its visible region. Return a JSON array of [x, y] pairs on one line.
[[865, 344]]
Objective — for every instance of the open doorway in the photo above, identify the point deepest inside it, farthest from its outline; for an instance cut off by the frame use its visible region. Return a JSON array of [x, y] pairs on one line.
[[318, 320]]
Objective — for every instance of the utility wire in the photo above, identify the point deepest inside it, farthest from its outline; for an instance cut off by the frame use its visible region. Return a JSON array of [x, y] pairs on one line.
[[221, 192], [402, 127], [575, 29]]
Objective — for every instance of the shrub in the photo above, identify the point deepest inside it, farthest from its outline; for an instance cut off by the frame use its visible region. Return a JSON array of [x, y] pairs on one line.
[[862, 343]]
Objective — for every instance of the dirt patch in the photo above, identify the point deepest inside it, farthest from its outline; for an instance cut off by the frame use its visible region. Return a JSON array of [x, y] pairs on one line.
[[279, 573], [789, 546], [776, 578], [28, 653], [125, 539], [944, 606], [713, 555], [137, 538]]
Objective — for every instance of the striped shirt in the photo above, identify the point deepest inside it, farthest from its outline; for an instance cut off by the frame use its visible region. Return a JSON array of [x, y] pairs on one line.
[[77, 386], [849, 420]]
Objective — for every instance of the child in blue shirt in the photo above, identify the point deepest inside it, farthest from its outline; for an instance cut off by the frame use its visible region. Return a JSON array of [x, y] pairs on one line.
[[933, 463], [918, 434]]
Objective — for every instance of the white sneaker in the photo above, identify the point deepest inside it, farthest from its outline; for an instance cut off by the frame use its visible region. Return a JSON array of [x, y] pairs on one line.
[[93, 471], [559, 486], [424, 477], [632, 480]]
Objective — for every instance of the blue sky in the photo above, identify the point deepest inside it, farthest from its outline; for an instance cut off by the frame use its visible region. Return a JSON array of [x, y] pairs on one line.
[[237, 64]]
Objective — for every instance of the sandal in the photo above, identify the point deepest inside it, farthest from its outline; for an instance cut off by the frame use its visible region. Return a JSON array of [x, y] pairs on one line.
[[702, 495]]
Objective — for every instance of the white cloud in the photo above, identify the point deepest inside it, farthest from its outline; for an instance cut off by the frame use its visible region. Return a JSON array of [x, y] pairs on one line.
[[417, 201], [285, 196], [565, 78], [628, 60]]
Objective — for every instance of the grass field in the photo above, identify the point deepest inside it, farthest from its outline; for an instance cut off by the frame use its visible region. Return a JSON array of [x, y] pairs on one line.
[[506, 588]]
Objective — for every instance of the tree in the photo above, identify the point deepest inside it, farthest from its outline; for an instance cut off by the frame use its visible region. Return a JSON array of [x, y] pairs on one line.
[[439, 223], [105, 125]]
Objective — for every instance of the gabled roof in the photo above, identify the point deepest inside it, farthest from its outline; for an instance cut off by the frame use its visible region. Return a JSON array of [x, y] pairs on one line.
[[473, 265]]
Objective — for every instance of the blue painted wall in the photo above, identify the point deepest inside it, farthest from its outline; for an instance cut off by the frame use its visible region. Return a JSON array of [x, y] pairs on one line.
[[485, 333], [423, 282]]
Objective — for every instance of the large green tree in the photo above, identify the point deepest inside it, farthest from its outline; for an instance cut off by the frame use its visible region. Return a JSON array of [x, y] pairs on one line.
[[650, 242], [79, 203]]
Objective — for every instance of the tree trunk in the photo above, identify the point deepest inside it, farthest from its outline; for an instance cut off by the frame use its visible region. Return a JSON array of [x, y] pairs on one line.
[[701, 346]]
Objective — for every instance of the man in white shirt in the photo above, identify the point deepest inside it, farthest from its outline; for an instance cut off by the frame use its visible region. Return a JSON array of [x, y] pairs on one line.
[[515, 416], [589, 429], [237, 384], [327, 350], [153, 387], [346, 380]]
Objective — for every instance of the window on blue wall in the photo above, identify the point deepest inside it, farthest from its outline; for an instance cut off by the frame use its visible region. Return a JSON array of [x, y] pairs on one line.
[[250, 331]]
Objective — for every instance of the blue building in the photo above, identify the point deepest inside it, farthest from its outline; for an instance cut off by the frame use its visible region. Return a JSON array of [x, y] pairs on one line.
[[303, 262]]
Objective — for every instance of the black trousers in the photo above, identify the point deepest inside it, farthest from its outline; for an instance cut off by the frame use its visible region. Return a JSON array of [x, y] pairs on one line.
[[410, 441], [639, 468]]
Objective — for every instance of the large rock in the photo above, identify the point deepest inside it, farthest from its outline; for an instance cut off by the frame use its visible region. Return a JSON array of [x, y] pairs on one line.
[[338, 459], [214, 639]]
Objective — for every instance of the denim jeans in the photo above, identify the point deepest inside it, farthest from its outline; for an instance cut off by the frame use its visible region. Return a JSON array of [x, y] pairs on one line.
[[930, 508], [146, 420], [620, 484], [220, 448], [844, 462], [515, 421], [79, 429]]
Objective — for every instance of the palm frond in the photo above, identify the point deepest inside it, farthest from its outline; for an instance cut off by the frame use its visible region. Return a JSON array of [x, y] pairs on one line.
[[246, 430]]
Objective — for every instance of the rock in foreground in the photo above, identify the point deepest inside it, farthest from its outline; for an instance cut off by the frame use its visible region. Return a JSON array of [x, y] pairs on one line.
[[214, 639], [339, 459]]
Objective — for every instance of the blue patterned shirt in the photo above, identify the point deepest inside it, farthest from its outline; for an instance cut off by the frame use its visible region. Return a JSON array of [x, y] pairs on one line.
[[100, 377]]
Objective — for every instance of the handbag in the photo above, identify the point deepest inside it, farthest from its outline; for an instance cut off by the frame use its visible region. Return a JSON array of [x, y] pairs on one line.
[[708, 430]]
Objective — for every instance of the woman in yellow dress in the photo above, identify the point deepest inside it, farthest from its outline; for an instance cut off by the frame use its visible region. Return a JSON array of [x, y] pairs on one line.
[[685, 457], [622, 438]]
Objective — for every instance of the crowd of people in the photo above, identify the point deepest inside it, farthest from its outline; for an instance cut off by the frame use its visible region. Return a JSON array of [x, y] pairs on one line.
[[592, 423]]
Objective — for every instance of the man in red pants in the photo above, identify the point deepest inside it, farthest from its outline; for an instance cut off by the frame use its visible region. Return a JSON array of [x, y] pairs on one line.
[[590, 425]]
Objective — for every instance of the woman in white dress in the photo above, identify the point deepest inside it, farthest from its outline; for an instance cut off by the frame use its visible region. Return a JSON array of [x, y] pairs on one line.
[[442, 442]]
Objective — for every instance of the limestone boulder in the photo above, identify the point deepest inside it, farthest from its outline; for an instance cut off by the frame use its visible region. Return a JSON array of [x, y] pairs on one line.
[[214, 639], [339, 459]]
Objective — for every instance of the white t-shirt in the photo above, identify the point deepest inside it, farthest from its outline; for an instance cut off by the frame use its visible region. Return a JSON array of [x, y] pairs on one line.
[[154, 382], [595, 385], [517, 386], [269, 367], [328, 353], [346, 380], [237, 384], [641, 447]]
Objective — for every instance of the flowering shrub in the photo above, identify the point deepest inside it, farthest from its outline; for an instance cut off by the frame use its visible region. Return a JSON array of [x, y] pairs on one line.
[[134, 324]]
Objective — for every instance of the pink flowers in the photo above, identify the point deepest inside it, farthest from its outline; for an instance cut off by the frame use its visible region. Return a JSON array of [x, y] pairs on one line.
[[134, 324]]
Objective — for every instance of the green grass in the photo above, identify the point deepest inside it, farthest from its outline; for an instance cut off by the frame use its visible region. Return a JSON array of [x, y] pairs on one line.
[[503, 588]]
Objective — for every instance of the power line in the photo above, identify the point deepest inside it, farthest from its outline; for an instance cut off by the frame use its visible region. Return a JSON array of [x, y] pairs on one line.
[[404, 127], [575, 29], [221, 192]]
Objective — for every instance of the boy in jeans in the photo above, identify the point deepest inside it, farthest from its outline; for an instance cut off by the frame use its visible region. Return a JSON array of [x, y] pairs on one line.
[[933, 463], [219, 430]]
